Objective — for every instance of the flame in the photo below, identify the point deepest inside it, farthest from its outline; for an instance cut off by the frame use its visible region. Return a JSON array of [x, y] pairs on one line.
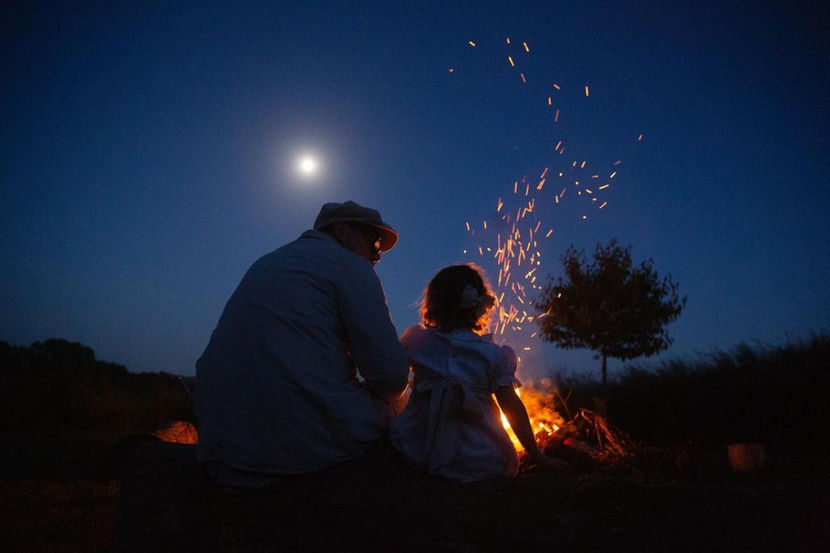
[[544, 420]]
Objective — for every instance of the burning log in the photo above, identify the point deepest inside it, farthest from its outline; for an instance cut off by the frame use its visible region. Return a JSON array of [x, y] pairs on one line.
[[589, 434]]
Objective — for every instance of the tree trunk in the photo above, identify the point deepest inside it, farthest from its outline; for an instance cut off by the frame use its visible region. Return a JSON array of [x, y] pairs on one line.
[[604, 375], [602, 404]]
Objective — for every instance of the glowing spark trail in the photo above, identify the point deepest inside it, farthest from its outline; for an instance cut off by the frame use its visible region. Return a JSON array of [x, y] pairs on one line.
[[514, 237]]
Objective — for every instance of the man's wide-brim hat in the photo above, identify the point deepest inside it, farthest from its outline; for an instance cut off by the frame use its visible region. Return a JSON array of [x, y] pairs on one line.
[[352, 212]]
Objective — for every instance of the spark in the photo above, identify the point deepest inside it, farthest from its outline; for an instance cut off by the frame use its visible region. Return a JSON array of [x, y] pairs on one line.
[[520, 226]]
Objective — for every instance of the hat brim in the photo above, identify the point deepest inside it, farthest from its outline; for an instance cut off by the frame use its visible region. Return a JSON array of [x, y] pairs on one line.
[[388, 237]]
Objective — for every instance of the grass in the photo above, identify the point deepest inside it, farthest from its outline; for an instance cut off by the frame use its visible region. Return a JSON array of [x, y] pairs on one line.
[[62, 515], [774, 396]]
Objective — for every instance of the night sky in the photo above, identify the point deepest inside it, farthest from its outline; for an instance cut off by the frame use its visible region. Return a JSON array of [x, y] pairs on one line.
[[149, 153]]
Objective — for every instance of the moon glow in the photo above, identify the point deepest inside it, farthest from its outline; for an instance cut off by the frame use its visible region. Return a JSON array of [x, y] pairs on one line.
[[307, 165]]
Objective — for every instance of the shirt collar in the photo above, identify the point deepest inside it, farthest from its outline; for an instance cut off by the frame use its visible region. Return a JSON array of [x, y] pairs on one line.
[[466, 336], [319, 235]]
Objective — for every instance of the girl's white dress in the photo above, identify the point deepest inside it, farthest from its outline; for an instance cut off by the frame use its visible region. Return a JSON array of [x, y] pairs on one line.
[[451, 426]]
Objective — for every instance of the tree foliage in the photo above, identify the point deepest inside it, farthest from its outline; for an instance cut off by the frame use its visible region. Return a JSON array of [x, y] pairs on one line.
[[611, 306]]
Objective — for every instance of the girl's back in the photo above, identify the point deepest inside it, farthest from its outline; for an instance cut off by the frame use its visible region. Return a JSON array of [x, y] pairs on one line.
[[451, 426]]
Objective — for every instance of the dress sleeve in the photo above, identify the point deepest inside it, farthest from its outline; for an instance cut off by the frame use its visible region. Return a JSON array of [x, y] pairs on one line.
[[505, 371]]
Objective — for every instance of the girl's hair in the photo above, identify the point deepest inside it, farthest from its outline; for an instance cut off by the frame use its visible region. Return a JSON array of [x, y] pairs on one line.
[[448, 305]]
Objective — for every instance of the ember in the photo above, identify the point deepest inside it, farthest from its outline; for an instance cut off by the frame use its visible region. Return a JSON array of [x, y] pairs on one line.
[[177, 432]]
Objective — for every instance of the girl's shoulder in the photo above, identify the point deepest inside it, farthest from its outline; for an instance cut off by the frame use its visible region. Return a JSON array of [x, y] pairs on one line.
[[414, 333], [420, 335]]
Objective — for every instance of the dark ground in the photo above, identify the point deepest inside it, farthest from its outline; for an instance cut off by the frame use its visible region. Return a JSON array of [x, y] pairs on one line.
[[379, 504], [65, 485]]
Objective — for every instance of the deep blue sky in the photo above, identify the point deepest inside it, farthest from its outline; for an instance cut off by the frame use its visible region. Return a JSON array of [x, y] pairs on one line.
[[147, 155]]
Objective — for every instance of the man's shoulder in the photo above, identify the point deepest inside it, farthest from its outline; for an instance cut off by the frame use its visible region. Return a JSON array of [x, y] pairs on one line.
[[311, 247]]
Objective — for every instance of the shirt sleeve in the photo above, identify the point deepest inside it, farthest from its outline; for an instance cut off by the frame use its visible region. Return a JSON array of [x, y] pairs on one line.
[[373, 340], [505, 373]]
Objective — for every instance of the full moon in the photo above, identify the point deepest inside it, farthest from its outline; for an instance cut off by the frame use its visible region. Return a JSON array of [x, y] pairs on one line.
[[307, 165]]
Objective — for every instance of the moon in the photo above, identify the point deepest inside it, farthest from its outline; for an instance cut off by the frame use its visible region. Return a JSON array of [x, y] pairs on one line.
[[307, 165]]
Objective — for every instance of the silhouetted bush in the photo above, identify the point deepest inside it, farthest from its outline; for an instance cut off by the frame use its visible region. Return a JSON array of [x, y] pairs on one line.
[[58, 387]]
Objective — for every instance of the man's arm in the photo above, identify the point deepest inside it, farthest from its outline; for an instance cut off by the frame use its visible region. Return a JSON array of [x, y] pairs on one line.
[[373, 340]]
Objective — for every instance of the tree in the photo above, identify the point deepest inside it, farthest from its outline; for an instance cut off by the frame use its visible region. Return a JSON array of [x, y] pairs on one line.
[[610, 306]]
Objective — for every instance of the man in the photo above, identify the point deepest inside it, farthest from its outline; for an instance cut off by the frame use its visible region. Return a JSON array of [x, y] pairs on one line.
[[277, 390]]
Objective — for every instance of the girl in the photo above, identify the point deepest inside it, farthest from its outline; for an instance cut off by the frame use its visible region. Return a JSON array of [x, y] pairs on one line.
[[451, 426]]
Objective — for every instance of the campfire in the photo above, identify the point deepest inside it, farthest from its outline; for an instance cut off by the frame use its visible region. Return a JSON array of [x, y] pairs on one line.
[[587, 434]]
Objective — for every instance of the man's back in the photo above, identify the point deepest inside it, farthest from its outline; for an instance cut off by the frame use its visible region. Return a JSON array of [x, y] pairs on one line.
[[276, 386]]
